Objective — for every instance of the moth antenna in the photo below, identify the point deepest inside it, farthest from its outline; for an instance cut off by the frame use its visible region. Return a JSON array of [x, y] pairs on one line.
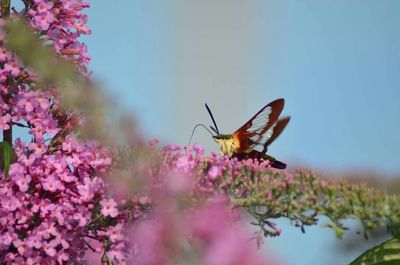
[[212, 117], [213, 129], [194, 129]]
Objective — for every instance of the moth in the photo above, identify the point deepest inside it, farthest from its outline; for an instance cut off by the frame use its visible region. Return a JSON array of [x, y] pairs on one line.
[[252, 139]]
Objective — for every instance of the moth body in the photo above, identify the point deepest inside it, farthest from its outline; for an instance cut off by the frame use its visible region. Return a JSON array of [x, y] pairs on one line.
[[227, 146], [256, 134]]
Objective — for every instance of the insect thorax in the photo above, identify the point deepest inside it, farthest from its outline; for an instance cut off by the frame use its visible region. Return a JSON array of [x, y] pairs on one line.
[[227, 146]]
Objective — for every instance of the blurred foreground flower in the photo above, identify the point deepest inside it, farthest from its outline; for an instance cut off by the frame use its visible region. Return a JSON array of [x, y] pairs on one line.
[[206, 234]]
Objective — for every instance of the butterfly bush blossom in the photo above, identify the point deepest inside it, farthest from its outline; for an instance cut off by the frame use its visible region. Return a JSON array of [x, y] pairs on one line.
[[210, 229], [268, 193], [62, 22], [53, 199], [215, 175], [189, 216]]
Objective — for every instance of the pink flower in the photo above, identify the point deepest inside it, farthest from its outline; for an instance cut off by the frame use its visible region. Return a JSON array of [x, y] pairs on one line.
[[23, 182], [117, 254], [34, 242], [229, 248], [12, 68], [6, 238], [52, 184], [67, 177], [108, 207], [176, 182], [62, 257], [115, 233], [21, 246], [10, 203], [43, 21], [4, 55], [43, 7], [37, 148], [153, 142], [46, 207], [89, 188], [17, 170], [82, 218], [222, 240], [49, 249], [5, 121], [198, 149], [184, 163], [214, 172]]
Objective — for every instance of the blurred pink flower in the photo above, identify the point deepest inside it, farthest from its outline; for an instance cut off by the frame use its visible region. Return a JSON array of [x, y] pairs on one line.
[[214, 172], [108, 207]]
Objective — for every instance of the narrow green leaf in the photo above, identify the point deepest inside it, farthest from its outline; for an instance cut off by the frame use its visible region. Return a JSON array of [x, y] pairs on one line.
[[386, 253], [6, 157]]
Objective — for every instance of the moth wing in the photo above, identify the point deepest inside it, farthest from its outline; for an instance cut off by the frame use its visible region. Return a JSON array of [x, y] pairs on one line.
[[257, 131], [276, 130]]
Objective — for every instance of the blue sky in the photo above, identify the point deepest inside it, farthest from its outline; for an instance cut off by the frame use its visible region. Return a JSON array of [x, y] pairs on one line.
[[336, 62]]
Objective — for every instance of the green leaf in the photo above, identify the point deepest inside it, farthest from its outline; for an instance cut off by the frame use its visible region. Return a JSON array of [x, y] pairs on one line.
[[6, 157], [386, 253]]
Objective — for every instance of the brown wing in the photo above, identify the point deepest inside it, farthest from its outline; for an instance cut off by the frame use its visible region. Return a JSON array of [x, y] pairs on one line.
[[257, 131], [276, 131]]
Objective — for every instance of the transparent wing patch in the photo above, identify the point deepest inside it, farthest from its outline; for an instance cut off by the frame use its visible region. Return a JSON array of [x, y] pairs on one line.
[[260, 138]]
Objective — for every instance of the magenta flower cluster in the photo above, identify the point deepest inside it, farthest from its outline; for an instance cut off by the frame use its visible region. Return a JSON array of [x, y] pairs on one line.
[[62, 23], [237, 179], [48, 202], [188, 207], [53, 201], [190, 216], [210, 228]]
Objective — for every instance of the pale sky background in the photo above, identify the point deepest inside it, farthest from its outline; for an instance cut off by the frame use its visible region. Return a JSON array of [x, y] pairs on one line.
[[336, 62]]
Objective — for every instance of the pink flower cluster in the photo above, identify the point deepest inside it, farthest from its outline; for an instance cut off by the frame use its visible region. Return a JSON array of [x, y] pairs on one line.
[[191, 216], [5, 116], [34, 108], [53, 203], [208, 170], [209, 230], [48, 204], [10, 69], [62, 22], [221, 240], [237, 179]]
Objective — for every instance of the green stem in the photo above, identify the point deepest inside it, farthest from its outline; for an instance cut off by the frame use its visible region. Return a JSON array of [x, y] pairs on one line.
[[7, 136]]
